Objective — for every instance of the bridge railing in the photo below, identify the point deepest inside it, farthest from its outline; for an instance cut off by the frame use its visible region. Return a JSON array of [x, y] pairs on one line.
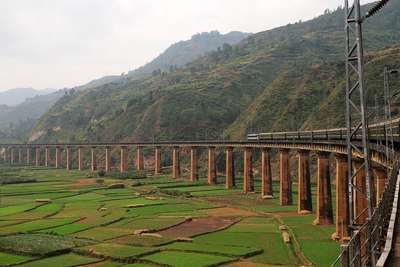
[[372, 242], [376, 132]]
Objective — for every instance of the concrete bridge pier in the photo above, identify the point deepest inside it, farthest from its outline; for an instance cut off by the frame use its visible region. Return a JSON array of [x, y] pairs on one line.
[[57, 157], [266, 174], [20, 154], [28, 155], [94, 159], [47, 157], [108, 159], [212, 166], [342, 197], [68, 158], [37, 156], [124, 160], [5, 156], [157, 160], [381, 179], [324, 194], [230, 169], [304, 188], [248, 179], [176, 164], [286, 197], [12, 154], [194, 176], [80, 158], [139, 158]]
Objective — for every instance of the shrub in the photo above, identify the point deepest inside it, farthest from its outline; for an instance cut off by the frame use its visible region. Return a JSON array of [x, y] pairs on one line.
[[16, 180], [128, 175], [176, 193]]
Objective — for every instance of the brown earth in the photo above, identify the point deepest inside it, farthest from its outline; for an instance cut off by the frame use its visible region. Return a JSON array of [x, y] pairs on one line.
[[229, 212], [96, 264], [83, 182], [198, 226], [250, 264], [239, 199]]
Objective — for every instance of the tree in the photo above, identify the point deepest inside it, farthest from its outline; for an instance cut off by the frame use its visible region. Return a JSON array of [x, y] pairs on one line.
[[227, 50]]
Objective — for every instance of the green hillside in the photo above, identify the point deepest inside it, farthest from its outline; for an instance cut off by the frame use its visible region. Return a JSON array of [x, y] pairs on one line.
[[286, 78], [314, 98]]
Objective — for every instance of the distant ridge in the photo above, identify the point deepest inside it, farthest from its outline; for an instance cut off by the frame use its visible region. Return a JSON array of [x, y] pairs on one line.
[[183, 52], [16, 96]]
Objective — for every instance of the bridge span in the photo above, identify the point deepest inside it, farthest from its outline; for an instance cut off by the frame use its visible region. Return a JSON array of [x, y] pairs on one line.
[[323, 149]]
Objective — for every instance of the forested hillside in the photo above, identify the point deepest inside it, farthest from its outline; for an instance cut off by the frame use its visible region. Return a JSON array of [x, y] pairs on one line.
[[286, 78]]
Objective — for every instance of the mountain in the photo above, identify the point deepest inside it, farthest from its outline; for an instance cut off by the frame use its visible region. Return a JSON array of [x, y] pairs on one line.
[[34, 107], [176, 55], [315, 97], [287, 78], [30, 109], [97, 82], [16, 96], [184, 52]]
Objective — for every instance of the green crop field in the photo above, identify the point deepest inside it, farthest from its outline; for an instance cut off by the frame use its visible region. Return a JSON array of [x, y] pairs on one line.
[[184, 259], [9, 259], [159, 222]]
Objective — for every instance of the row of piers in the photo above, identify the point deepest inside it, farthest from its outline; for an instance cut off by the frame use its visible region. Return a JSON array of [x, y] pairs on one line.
[[324, 209]]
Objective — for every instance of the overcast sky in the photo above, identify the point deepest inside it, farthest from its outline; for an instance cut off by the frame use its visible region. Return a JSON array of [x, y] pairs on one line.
[[65, 43]]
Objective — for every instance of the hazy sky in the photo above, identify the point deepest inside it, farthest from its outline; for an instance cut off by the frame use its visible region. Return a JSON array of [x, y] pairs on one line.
[[65, 43]]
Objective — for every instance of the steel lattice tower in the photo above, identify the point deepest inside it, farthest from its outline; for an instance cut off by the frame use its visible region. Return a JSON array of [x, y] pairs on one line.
[[388, 114], [356, 117]]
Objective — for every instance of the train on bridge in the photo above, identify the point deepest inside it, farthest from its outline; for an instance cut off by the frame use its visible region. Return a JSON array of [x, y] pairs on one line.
[[377, 132]]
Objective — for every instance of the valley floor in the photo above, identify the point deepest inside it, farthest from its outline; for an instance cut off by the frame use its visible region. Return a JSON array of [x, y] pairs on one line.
[[54, 217]]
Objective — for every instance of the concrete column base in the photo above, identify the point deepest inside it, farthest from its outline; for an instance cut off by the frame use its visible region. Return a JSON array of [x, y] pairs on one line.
[[286, 197], [68, 159], [304, 188], [324, 194], [37, 156], [94, 159], [176, 164], [266, 174], [57, 157], [28, 155], [80, 158], [20, 155], [108, 159], [342, 198], [157, 161], [12, 154], [194, 176], [212, 169], [124, 160], [248, 179], [139, 159], [230, 169], [47, 157]]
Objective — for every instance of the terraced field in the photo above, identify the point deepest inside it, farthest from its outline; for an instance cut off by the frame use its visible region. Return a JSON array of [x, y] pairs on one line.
[[71, 218]]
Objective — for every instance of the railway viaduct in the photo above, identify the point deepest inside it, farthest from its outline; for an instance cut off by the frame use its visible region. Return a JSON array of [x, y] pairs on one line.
[[382, 162]]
